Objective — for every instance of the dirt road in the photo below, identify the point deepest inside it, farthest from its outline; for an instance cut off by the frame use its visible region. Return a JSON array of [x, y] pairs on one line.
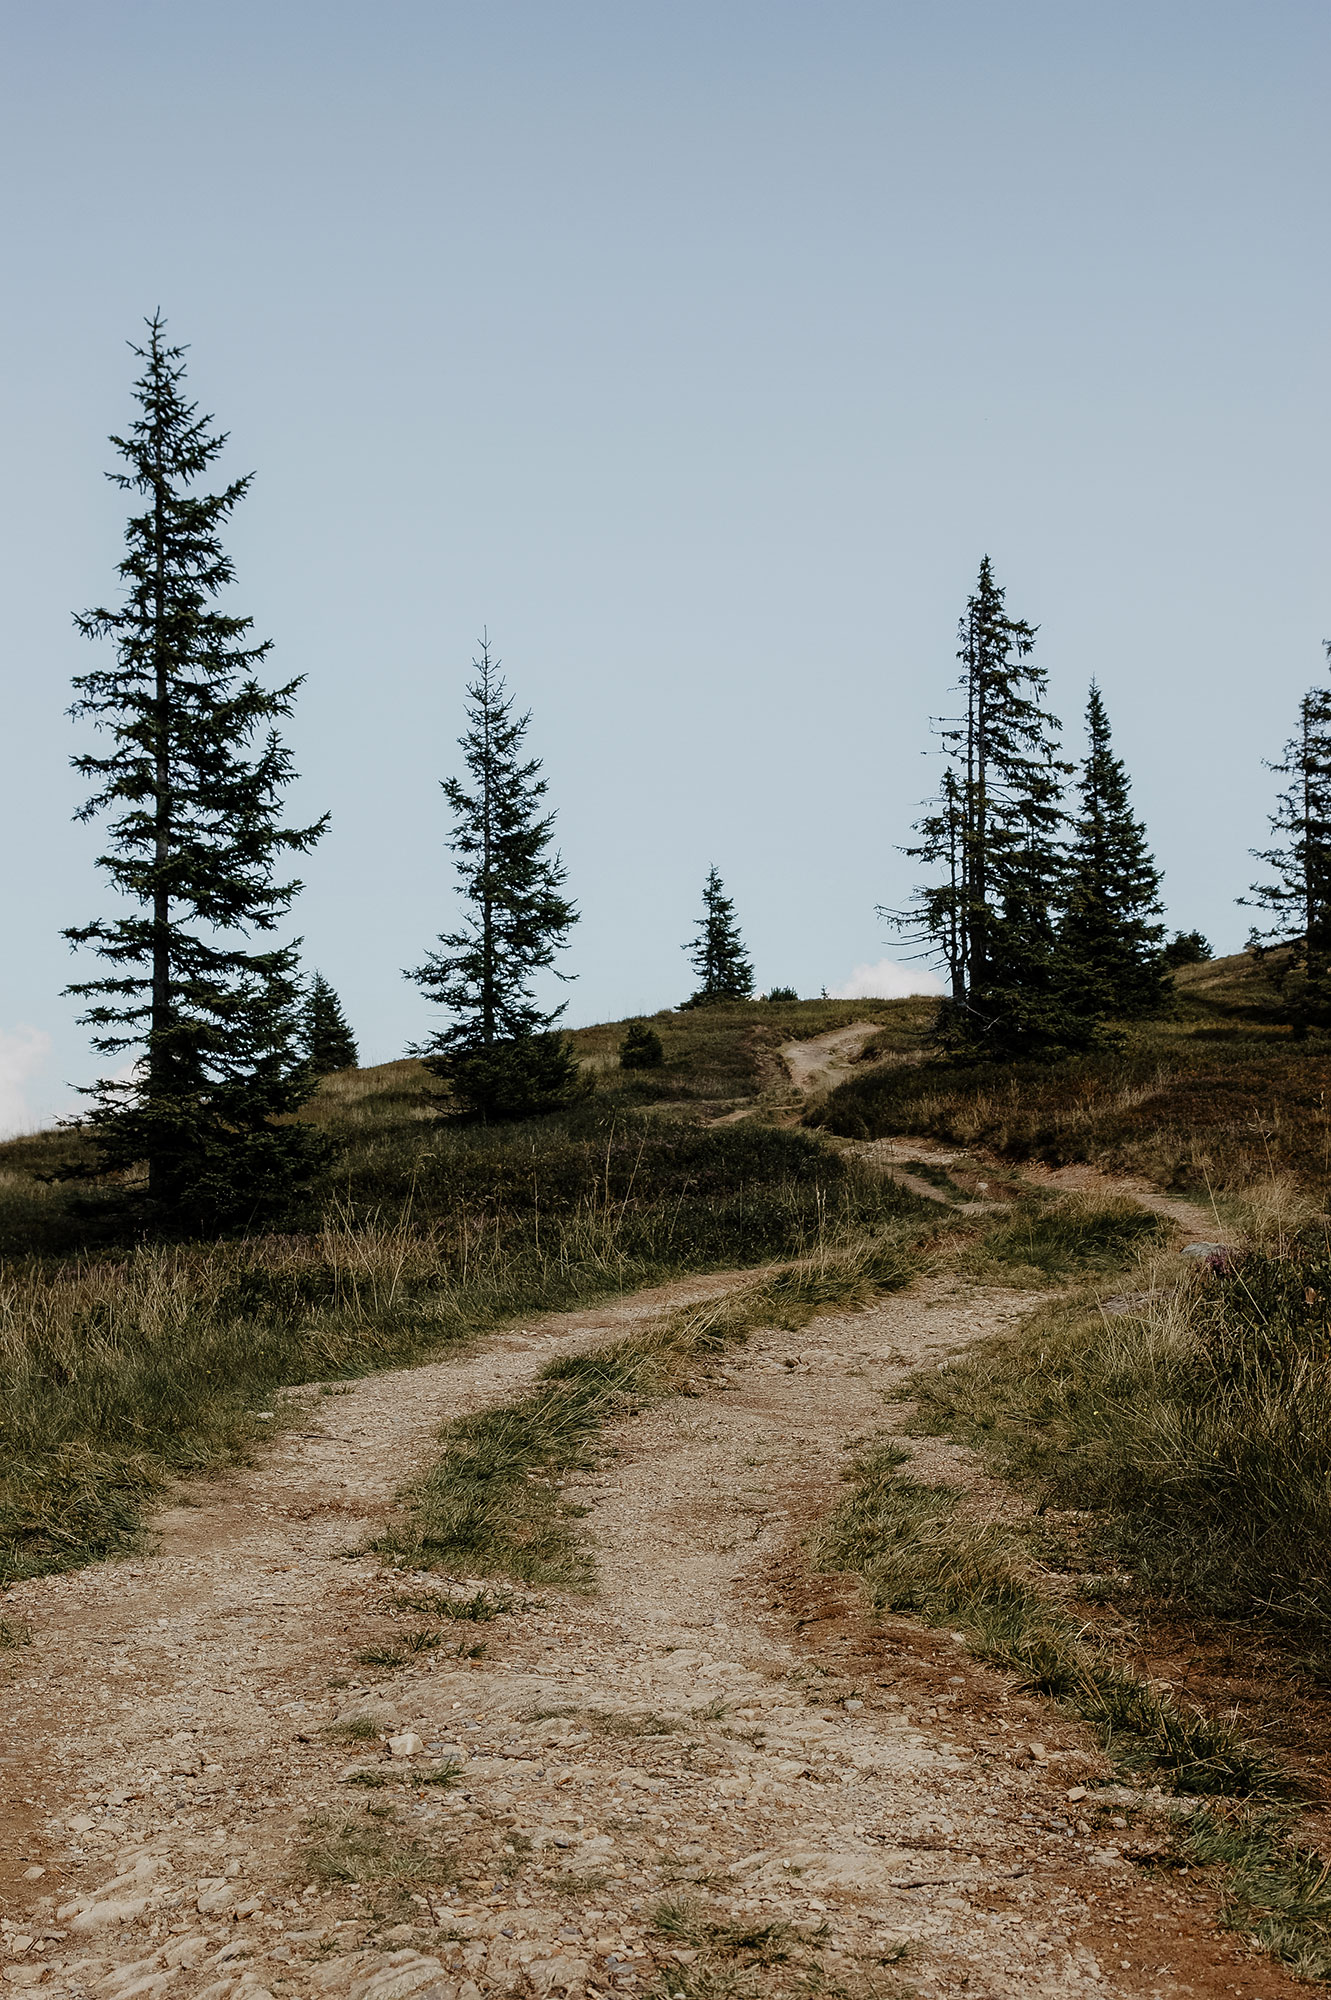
[[194, 1761]]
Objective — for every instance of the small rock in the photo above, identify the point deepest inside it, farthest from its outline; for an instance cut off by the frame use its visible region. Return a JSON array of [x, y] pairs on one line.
[[212, 1900], [33, 1874], [186, 1950], [852, 1707], [97, 1915], [1077, 1792], [1215, 1256], [408, 1744]]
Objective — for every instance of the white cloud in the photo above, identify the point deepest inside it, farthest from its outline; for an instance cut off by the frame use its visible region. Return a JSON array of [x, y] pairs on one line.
[[22, 1054], [886, 981]]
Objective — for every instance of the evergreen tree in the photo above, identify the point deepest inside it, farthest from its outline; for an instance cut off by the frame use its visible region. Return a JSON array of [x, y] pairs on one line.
[[641, 1048], [718, 954], [329, 1042], [501, 1054], [995, 835], [1186, 948], [1110, 925], [1298, 895], [193, 781]]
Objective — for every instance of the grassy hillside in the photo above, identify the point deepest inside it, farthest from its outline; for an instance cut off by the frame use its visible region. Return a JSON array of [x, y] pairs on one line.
[[1217, 1095], [124, 1362]]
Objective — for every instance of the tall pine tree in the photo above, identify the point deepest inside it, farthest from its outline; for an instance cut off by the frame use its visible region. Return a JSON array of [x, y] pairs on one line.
[[329, 1042], [1298, 892], [192, 782], [500, 1052], [995, 835], [719, 959], [1111, 928]]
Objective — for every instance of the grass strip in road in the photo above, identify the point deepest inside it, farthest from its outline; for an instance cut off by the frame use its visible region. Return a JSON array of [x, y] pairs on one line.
[[493, 1504]]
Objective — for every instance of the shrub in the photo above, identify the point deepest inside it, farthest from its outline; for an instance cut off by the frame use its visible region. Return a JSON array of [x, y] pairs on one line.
[[641, 1048]]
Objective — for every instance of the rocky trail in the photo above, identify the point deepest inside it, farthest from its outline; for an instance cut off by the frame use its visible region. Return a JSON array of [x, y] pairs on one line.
[[715, 1775]]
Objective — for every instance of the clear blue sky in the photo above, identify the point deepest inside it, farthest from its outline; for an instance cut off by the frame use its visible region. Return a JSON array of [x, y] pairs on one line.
[[700, 350]]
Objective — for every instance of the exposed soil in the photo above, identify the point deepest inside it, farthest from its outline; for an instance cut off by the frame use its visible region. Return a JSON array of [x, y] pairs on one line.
[[716, 1722], [818, 1064]]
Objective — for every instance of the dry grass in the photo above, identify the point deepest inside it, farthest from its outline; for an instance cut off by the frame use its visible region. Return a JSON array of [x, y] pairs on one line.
[[1218, 1096]]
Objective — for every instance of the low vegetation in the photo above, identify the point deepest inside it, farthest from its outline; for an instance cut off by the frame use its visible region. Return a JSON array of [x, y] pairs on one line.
[[494, 1504], [1196, 1425], [1212, 1098]]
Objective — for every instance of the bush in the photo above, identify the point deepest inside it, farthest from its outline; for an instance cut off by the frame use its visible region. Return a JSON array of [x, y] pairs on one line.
[[517, 1079], [641, 1048], [781, 993], [1186, 948]]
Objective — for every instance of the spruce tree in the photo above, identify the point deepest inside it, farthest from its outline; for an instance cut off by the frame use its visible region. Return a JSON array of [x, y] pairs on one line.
[[641, 1047], [192, 781], [1111, 928], [502, 1055], [719, 958], [329, 1042], [1298, 893], [995, 835], [1186, 948]]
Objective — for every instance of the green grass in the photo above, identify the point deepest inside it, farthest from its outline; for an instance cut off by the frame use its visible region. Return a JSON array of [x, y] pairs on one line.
[[917, 1550], [1197, 1428], [1277, 1890], [493, 1504], [1047, 1240]]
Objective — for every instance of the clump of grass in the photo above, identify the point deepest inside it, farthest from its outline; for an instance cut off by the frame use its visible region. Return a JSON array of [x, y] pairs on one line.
[[493, 1502], [580, 1885], [355, 1729], [377, 1780], [382, 1853], [917, 1550], [479, 1608], [738, 1958], [410, 1646], [1199, 1426], [438, 1774], [14, 1632], [1072, 1235], [1278, 1891]]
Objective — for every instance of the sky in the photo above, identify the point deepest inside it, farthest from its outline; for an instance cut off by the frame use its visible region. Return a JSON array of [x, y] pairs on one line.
[[698, 349]]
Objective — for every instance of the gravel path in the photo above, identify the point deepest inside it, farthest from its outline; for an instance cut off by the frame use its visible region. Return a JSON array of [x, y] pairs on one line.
[[715, 1726]]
